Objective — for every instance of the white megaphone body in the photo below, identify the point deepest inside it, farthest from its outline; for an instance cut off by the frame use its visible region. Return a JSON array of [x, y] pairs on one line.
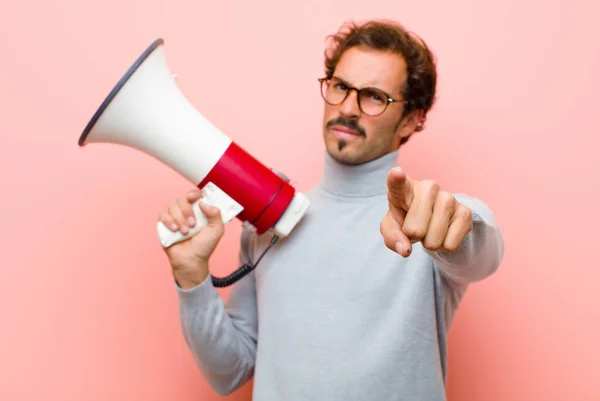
[[147, 111]]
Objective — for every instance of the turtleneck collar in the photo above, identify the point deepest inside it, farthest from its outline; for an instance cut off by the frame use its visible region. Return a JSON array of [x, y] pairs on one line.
[[361, 180]]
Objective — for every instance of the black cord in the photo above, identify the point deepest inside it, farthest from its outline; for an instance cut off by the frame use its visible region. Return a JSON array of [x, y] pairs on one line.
[[242, 271]]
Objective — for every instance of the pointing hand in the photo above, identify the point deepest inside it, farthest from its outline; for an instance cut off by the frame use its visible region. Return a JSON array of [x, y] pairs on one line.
[[421, 211]]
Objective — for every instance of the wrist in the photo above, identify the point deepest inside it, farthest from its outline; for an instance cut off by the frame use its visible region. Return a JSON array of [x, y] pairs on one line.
[[188, 278]]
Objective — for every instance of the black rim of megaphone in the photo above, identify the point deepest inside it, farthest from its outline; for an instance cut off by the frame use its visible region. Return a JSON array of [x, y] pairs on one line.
[[158, 42]]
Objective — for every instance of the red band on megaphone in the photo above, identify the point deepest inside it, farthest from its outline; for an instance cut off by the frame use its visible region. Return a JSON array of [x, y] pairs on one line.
[[263, 194]]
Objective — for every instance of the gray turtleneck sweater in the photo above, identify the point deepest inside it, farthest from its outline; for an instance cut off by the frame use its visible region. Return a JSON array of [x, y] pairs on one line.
[[330, 313]]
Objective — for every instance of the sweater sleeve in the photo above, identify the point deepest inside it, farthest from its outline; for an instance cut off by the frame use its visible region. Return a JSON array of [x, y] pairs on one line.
[[481, 252], [222, 336]]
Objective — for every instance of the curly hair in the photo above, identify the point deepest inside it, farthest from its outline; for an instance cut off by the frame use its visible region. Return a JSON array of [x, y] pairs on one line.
[[420, 86]]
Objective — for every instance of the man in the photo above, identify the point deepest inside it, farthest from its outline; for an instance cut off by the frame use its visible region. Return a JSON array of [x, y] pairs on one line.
[[355, 304]]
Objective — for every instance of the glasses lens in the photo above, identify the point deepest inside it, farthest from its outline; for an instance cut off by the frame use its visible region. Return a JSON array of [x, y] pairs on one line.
[[333, 91], [372, 101]]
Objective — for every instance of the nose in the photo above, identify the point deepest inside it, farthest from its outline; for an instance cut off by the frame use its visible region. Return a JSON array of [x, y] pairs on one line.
[[349, 107]]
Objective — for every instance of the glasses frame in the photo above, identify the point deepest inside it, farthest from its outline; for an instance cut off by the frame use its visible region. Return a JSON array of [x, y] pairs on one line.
[[326, 81]]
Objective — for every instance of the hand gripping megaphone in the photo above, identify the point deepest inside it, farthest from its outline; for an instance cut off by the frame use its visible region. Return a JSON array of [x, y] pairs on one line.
[[146, 111]]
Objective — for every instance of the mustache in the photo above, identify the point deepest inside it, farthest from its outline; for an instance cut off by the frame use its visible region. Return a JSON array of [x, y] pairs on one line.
[[350, 124]]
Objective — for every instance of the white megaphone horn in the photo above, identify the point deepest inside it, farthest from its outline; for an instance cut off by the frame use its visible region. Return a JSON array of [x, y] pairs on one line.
[[147, 111]]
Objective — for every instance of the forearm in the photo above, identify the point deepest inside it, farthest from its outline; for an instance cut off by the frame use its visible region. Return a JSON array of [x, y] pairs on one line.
[[223, 352], [482, 250]]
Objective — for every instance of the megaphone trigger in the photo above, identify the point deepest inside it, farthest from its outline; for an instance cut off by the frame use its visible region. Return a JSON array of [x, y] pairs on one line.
[[212, 195]]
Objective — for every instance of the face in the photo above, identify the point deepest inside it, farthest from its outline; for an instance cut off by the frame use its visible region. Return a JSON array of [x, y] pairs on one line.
[[352, 137]]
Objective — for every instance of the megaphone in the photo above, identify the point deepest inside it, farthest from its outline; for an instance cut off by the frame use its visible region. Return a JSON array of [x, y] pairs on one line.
[[146, 111]]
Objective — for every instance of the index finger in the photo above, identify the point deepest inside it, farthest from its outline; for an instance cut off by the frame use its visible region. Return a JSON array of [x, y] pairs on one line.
[[400, 191], [194, 195]]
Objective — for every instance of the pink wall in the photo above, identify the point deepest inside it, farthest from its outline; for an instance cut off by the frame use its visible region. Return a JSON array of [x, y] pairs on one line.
[[88, 307]]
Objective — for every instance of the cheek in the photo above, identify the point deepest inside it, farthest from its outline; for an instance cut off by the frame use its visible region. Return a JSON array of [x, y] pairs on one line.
[[329, 113], [381, 131], [388, 124]]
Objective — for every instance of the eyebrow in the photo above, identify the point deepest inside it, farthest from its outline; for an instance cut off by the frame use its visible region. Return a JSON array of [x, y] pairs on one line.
[[345, 81]]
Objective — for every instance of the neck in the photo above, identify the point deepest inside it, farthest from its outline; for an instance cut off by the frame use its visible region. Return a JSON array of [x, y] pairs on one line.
[[361, 180]]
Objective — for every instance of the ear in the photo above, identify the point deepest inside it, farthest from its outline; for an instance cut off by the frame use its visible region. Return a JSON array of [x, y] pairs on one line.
[[410, 123]]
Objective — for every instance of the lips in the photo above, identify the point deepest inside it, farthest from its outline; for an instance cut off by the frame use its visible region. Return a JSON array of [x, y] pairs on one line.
[[345, 133]]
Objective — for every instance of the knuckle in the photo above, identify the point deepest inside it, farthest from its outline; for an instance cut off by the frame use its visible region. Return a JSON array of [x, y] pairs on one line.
[[432, 244], [164, 217], [452, 246], [446, 199], [218, 228], [216, 216], [465, 213], [414, 232], [184, 205], [430, 186]]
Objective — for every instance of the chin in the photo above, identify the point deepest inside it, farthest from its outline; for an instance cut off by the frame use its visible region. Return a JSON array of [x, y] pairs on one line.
[[344, 153]]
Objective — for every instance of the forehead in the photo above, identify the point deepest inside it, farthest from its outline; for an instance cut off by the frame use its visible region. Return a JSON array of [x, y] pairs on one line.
[[361, 67]]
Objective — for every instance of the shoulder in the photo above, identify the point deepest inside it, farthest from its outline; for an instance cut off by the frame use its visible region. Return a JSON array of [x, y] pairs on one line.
[[252, 244]]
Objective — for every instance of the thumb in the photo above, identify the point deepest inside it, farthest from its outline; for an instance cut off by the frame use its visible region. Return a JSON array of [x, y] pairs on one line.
[[394, 238], [400, 191], [212, 213]]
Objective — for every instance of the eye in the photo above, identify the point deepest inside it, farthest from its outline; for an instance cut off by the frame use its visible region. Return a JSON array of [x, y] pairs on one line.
[[374, 96]]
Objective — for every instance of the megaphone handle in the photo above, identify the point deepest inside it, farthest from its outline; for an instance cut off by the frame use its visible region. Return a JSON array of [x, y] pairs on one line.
[[212, 195]]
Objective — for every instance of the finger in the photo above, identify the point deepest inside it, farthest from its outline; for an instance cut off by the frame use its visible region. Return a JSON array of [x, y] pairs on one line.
[[194, 195], [398, 214], [400, 189], [419, 214], [213, 215], [393, 237], [443, 210], [187, 211], [177, 215], [460, 226], [168, 221], [402, 243]]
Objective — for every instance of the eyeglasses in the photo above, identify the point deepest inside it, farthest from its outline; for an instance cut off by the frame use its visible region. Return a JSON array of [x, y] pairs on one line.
[[371, 101]]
